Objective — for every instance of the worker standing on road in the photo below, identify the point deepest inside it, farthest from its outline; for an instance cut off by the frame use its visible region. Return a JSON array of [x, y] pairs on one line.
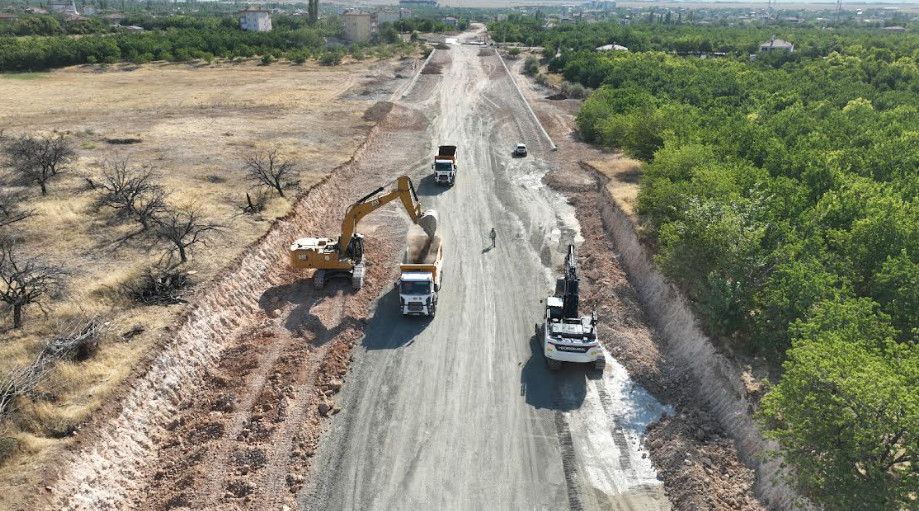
[[493, 235]]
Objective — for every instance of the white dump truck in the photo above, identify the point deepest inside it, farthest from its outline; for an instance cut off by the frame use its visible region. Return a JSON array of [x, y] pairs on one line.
[[421, 276], [445, 165]]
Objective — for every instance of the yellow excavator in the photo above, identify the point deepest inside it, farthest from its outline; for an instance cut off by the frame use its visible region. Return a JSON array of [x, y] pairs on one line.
[[344, 256]]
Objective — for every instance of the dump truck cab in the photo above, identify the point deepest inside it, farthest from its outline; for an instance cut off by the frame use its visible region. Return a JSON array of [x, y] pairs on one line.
[[444, 165], [417, 294]]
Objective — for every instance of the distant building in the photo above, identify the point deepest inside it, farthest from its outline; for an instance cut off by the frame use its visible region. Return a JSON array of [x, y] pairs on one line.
[[7, 17], [895, 29], [62, 7], [114, 18], [255, 19], [450, 20], [36, 10], [501, 17], [76, 18], [89, 10], [776, 45], [405, 13], [359, 26], [418, 3], [131, 28], [602, 4], [612, 47], [387, 16]]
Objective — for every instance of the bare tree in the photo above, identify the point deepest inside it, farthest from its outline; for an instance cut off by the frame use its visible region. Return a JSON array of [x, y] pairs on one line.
[[76, 340], [183, 229], [36, 159], [269, 168], [11, 210], [131, 191], [25, 281], [254, 203]]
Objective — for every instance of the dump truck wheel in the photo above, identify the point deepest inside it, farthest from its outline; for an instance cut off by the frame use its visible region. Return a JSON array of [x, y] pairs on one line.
[[319, 279], [554, 365]]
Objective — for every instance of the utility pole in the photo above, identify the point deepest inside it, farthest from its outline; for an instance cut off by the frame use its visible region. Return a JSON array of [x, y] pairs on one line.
[[838, 10]]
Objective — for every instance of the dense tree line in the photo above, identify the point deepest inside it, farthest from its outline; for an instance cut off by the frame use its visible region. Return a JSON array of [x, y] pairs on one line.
[[782, 196], [184, 38], [685, 38]]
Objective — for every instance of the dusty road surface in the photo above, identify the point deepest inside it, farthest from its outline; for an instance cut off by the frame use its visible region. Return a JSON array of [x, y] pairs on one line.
[[461, 412]]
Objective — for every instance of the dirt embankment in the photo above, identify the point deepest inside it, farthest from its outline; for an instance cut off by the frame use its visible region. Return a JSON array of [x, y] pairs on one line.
[[708, 454], [720, 382], [226, 410]]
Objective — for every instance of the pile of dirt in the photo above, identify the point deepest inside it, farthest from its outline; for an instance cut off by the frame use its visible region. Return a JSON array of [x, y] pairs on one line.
[[432, 69], [699, 463], [694, 457], [442, 46], [378, 111], [421, 248], [557, 97]]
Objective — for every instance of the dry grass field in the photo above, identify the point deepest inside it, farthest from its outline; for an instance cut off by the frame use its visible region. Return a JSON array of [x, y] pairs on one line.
[[192, 124], [623, 174]]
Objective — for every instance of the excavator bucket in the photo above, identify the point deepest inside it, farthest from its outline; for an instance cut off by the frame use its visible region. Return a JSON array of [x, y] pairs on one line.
[[428, 222]]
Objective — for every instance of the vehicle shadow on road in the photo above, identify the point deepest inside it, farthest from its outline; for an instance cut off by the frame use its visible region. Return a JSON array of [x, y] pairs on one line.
[[388, 329], [303, 297], [562, 390], [428, 187]]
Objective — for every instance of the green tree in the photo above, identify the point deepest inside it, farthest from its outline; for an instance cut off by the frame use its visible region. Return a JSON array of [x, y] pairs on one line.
[[846, 414]]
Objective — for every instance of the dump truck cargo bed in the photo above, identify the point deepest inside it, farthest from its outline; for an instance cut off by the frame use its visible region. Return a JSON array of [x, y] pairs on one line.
[[423, 255]]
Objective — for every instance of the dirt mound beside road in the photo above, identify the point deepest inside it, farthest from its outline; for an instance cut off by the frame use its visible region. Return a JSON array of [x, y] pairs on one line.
[[432, 69], [695, 458]]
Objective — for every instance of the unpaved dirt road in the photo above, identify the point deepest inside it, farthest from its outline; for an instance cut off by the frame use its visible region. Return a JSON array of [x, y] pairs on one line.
[[461, 412]]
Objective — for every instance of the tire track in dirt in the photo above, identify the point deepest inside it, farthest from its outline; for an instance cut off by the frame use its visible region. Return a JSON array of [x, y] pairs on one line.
[[114, 468]]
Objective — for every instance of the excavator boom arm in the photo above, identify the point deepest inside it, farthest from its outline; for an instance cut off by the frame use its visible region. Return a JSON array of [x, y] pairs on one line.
[[404, 190]]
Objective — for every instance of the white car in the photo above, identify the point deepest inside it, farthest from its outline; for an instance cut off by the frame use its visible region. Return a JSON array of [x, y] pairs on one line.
[[520, 150]]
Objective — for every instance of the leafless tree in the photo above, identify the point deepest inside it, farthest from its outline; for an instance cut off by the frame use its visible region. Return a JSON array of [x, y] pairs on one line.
[[182, 229], [75, 340], [131, 191], [11, 209], [268, 168], [36, 159], [254, 203], [26, 280]]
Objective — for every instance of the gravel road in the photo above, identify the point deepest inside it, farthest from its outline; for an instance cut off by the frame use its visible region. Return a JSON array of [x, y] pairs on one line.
[[461, 412]]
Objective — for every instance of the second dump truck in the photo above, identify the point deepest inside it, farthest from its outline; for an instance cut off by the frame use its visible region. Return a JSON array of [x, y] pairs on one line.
[[421, 276], [445, 165]]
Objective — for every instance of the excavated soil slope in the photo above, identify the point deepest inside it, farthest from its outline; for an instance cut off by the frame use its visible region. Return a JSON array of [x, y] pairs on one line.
[[229, 362]]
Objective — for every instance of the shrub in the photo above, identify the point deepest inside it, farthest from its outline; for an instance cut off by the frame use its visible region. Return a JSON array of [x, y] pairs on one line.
[[299, 57], [267, 60], [541, 79], [330, 58], [8, 447], [514, 52], [531, 65]]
